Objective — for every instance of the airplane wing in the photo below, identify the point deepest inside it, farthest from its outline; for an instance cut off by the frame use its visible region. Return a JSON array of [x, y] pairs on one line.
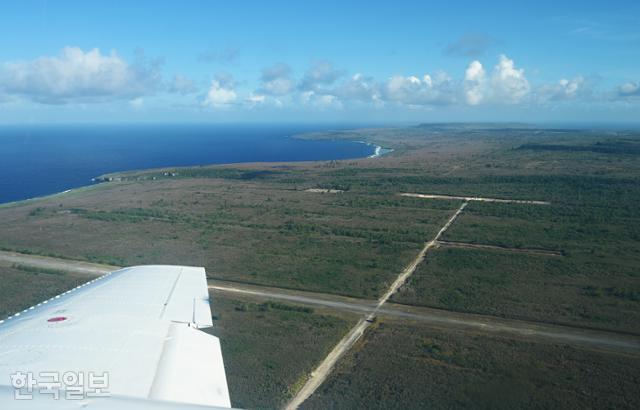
[[126, 340]]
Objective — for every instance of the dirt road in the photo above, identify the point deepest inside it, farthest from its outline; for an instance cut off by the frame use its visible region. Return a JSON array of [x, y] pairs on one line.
[[475, 198], [404, 275], [442, 318], [320, 374], [545, 252], [46, 262], [372, 308], [436, 317]]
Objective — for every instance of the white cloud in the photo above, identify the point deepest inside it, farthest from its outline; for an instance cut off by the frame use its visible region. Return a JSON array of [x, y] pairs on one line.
[[222, 92], [474, 83], [321, 73], [360, 88], [78, 76], [255, 100], [276, 80], [508, 84], [320, 101], [321, 88], [437, 90], [569, 88], [564, 89], [628, 89], [278, 87], [400, 88]]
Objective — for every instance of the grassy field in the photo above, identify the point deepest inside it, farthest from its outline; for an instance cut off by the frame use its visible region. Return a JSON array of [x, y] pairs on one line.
[[594, 283], [399, 366], [599, 229], [534, 287], [257, 223], [270, 348], [22, 287], [258, 232]]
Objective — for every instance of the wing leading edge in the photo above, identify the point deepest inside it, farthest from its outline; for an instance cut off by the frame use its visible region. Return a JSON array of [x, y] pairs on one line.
[[137, 325]]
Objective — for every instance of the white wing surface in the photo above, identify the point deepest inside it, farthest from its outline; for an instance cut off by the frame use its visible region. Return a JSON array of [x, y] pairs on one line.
[[138, 326]]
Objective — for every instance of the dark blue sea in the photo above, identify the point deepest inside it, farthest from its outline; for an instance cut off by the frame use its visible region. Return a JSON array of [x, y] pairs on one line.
[[42, 160]]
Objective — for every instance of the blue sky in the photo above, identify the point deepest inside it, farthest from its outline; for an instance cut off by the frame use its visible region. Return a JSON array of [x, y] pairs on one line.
[[400, 61]]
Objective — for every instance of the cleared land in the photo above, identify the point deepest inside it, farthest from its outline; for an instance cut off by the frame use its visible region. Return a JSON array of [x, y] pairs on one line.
[[256, 224], [319, 375], [48, 263], [400, 366], [595, 283], [533, 287], [250, 231], [343, 305], [269, 348], [23, 286], [469, 245], [476, 199]]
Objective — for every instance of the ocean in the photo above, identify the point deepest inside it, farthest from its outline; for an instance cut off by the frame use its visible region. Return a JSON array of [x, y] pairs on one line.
[[42, 160]]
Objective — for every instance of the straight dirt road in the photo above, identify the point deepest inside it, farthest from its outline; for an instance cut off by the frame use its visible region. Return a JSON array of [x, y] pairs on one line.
[[320, 374], [46, 262], [369, 309], [441, 318], [436, 317], [544, 252], [475, 198]]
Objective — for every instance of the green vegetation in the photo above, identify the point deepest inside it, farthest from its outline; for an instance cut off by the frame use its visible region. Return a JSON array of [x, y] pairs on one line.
[[262, 233], [267, 347], [22, 287], [580, 229], [624, 147], [133, 215], [196, 172], [37, 270], [415, 367], [263, 307], [595, 283], [534, 287], [270, 348], [257, 223]]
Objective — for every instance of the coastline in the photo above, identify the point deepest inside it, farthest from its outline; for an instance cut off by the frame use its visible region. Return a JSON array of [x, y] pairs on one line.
[[49, 196], [378, 151]]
